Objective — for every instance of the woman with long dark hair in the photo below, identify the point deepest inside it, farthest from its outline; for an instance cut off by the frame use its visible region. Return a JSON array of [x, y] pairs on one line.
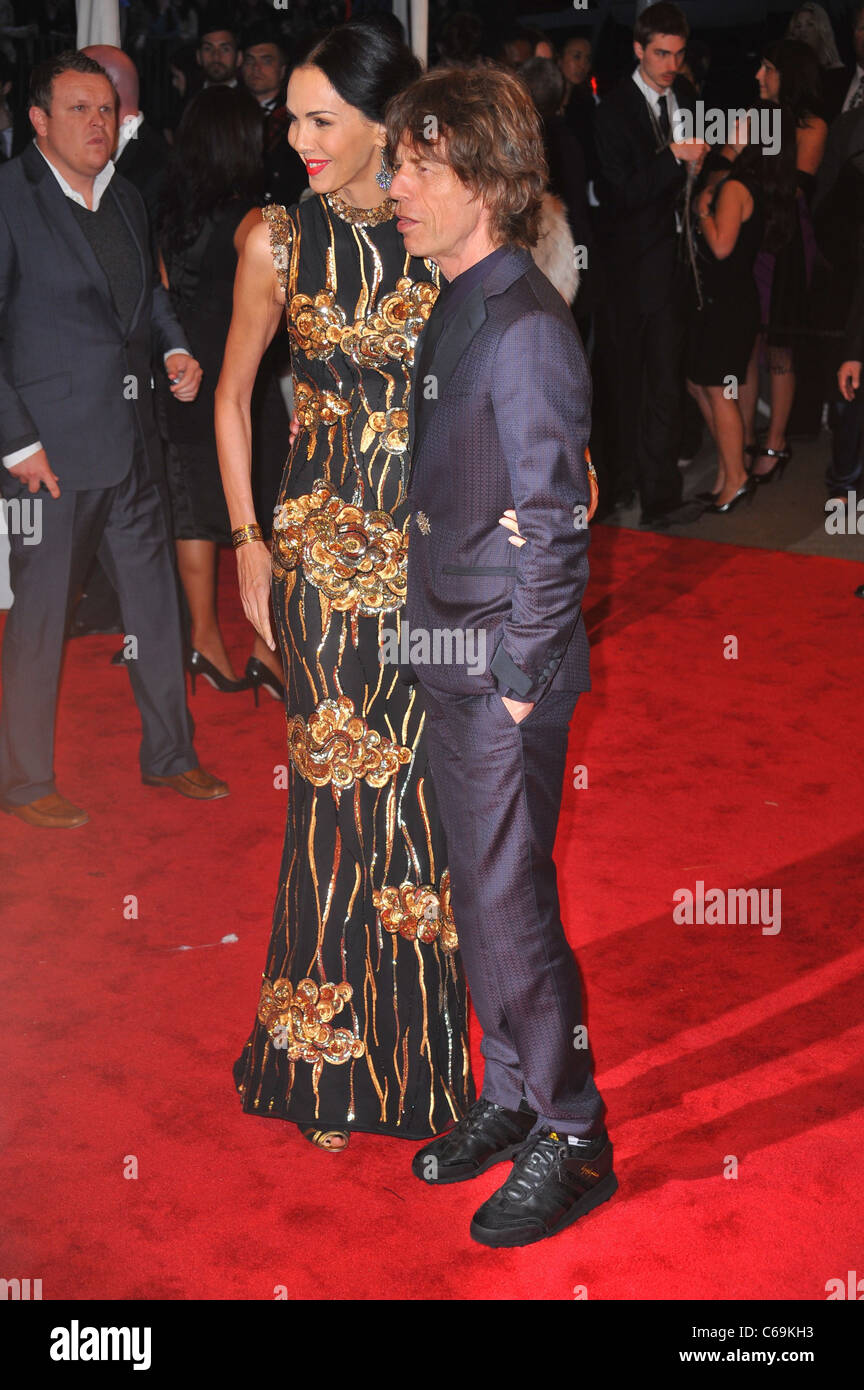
[[789, 75], [210, 203], [748, 208], [362, 1009]]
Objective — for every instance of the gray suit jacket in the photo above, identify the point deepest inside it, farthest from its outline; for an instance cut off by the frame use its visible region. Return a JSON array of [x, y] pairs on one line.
[[508, 429], [68, 371]]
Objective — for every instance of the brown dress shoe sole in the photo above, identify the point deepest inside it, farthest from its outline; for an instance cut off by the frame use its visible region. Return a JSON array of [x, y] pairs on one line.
[[69, 820]]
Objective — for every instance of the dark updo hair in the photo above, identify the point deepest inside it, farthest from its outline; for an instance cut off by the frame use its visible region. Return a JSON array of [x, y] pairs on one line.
[[366, 64], [800, 77]]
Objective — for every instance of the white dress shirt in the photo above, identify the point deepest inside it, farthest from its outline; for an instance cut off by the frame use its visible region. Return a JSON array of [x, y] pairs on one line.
[[100, 183], [653, 98], [672, 106], [128, 131], [856, 83]]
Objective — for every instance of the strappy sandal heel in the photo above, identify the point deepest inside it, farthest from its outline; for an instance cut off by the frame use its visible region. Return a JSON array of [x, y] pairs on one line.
[[780, 456], [318, 1137]]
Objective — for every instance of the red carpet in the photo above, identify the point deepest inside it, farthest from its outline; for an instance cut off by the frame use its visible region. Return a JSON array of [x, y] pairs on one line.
[[712, 1042]]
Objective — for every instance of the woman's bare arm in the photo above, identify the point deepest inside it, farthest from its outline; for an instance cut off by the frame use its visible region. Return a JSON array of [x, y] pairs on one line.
[[720, 229], [258, 307]]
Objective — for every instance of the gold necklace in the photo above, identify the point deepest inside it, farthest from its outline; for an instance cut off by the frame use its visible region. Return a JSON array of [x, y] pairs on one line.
[[361, 217]]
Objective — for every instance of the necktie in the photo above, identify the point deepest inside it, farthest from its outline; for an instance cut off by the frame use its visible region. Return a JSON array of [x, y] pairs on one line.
[[857, 96], [663, 114]]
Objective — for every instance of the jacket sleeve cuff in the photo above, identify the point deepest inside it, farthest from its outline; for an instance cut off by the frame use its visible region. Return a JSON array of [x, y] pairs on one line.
[[513, 682], [16, 456]]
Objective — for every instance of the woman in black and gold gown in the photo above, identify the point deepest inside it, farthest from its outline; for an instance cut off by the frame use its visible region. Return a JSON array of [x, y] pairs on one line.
[[361, 1020]]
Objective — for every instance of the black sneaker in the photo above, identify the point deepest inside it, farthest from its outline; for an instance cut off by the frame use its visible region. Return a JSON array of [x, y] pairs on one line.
[[486, 1135], [552, 1183]]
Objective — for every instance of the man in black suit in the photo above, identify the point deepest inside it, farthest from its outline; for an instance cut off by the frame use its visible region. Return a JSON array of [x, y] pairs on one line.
[[500, 419], [838, 223], [851, 371], [81, 307], [644, 172], [854, 98], [264, 71], [219, 55]]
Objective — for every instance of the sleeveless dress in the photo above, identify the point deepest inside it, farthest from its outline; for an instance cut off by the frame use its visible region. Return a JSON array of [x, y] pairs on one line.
[[201, 277], [723, 312], [362, 1016]]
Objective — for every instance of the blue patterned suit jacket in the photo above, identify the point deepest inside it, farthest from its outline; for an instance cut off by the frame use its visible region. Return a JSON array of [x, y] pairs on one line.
[[502, 420]]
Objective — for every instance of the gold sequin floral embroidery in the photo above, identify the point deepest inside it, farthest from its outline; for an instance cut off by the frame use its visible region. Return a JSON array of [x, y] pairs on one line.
[[281, 237], [418, 914], [314, 407], [391, 426], [299, 1020], [318, 325], [357, 559], [337, 745]]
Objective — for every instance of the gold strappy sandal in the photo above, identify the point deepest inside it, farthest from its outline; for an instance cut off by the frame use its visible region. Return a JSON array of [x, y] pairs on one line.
[[319, 1138]]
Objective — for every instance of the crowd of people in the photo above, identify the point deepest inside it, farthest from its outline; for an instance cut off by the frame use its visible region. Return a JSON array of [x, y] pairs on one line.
[[707, 268], [745, 272]]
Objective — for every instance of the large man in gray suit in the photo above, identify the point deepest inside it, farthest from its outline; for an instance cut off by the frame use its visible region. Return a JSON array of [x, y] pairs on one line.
[[81, 311], [500, 421]]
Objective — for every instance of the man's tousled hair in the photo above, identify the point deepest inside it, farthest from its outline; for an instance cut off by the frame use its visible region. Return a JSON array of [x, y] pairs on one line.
[[491, 138], [662, 18]]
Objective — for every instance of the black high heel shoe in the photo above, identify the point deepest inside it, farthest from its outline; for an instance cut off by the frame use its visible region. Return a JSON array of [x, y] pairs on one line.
[[744, 493], [198, 665], [258, 675], [781, 458]]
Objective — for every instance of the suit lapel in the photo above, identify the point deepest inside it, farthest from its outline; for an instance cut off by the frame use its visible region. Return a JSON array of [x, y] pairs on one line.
[[455, 339], [59, 216], [451, 345], [684, 96], [61, 220], [643, 116]]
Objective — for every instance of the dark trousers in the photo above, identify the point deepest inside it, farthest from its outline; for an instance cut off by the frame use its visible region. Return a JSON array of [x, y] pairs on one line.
[[847, 443], [125, 526], [498, 785], [649, 373]]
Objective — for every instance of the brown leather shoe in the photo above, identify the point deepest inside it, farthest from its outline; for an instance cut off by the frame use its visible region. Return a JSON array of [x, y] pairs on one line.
[[52, 812], [197, 783]]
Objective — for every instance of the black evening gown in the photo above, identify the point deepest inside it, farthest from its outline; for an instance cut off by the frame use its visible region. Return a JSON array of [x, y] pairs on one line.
[[362, 1012]]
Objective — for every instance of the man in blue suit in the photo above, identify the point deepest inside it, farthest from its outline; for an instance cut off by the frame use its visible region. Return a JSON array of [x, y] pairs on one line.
[[81, 310], [500, 421]]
